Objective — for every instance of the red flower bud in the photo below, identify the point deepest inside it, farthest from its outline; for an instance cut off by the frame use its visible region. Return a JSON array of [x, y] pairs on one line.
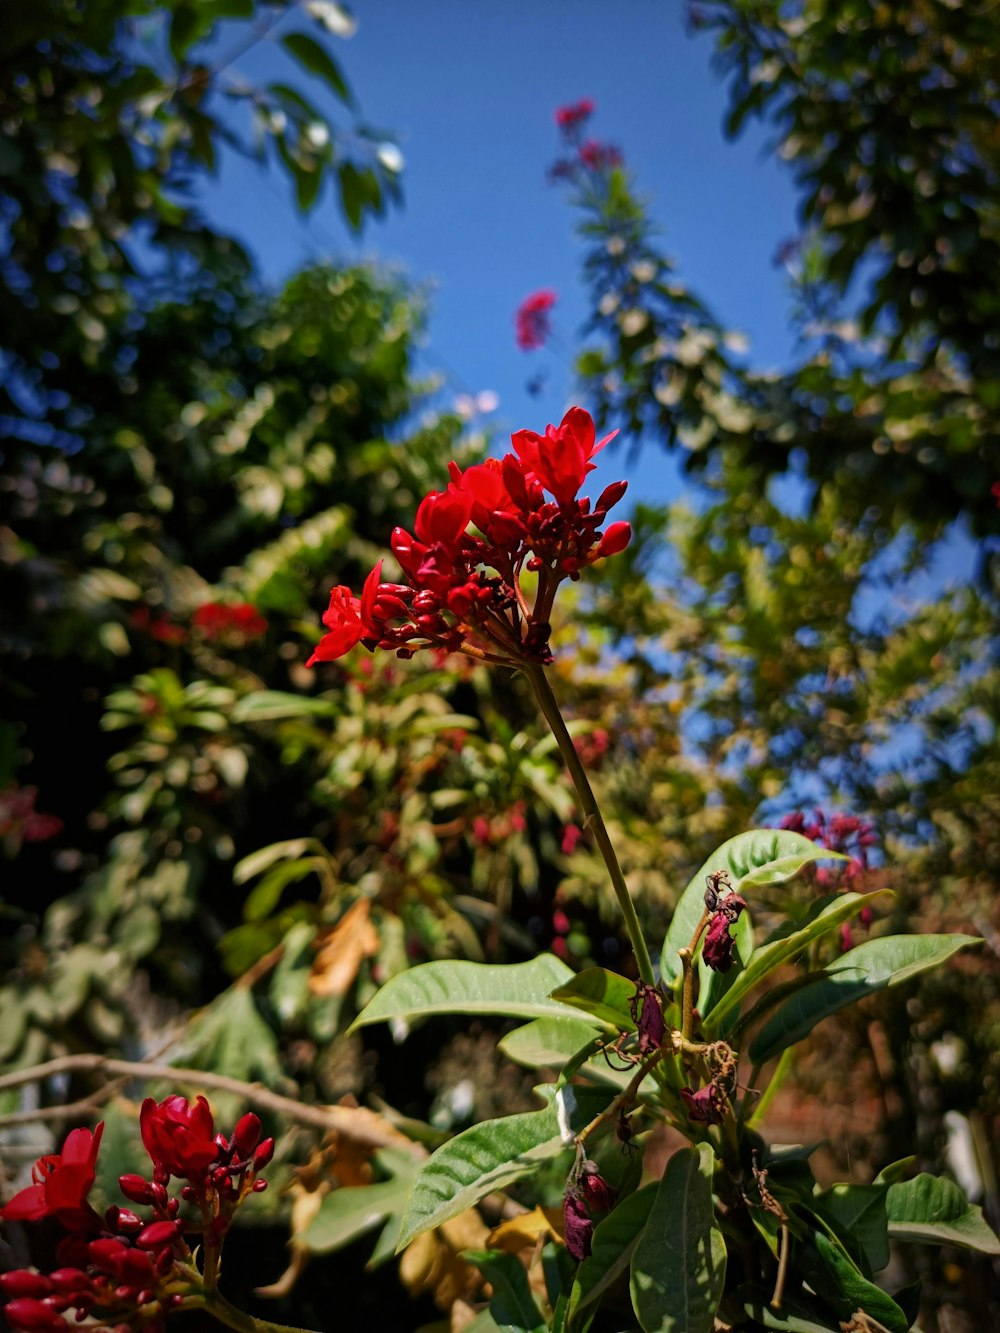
[[28, 1315], [610, 496], [263, 1154], [158, 1234], [136, 1188], [69, 1280], [246, 1135], [22, 1283], [706, 1106], [596, 1190], [615, 539]]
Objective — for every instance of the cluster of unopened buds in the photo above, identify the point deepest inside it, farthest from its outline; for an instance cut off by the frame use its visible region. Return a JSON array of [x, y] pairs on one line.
[[121, 1270], [471, 545]]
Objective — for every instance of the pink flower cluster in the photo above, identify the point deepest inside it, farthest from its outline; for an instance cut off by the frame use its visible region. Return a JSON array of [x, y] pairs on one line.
[[840, 833], [463, 588], [123, 1271]]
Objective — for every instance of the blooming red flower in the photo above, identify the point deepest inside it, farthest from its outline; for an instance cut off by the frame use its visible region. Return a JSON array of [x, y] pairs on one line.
[[560, 459], [179, 1136], [572, 116], [471, 542], [62, 1182], [531, 320]]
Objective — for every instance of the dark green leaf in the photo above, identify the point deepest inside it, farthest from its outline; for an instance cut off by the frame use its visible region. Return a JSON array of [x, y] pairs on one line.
[[679, 1263], [934, 1210], [612, 1244], [512, 1305], [859, 972], [308, 52], [602, 994]]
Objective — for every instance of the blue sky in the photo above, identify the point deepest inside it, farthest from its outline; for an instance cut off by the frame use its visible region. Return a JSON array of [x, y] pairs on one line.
[[469, 88]]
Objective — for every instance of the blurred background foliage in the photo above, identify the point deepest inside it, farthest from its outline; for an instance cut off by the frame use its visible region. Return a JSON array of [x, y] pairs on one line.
[[214, 856]]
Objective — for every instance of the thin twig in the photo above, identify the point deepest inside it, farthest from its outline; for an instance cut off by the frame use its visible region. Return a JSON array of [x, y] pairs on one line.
[[353, 1122]]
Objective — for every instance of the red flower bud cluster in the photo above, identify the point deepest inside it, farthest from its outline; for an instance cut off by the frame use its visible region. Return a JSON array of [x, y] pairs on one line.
[[587, 1192], [463, 591], [124, 1271], [229, 622], [531, 320], [573, 116]]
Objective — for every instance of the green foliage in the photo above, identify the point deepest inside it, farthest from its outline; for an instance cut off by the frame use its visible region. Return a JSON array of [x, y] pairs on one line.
[[678, 1267], [516, 990]]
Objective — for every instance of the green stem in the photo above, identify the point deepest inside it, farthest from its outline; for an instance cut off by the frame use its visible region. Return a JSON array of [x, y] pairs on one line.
[[687, 964], [216, 1304], [593, 819]]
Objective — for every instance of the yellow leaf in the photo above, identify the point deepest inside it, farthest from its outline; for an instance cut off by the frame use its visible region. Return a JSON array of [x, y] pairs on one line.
[[524, 1231], [342, 951]]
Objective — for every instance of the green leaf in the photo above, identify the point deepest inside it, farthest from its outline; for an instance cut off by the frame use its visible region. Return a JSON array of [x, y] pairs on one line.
[[346, 1214], [602, 994], [512, 1305], [793, 1317], [612, 1244], [308, 52], [763, 856], [271, 705], [515, 990], [264, 857], [679, 1264], [934, 1210], [490, 1156], [547, 1041], [868, 968], [851, 1289], [859, 1212], [824, 916]]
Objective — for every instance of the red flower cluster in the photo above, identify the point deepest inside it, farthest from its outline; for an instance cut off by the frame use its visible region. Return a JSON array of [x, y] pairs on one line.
[[21, 822], [123, 1271], [840, 833], [531, 320], [584, 156], [230, 621], [451, 600], [159, 627], [572, 116]]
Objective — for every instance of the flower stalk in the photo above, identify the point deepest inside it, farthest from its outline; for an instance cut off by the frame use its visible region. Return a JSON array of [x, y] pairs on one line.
[[593, 818]]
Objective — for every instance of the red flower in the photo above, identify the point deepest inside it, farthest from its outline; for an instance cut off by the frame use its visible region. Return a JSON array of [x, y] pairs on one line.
[[531, 320], [596, 1190], [560, 459], [572, 116], [179, 1136], [62, 1182], [598, 156], [222, 620]]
